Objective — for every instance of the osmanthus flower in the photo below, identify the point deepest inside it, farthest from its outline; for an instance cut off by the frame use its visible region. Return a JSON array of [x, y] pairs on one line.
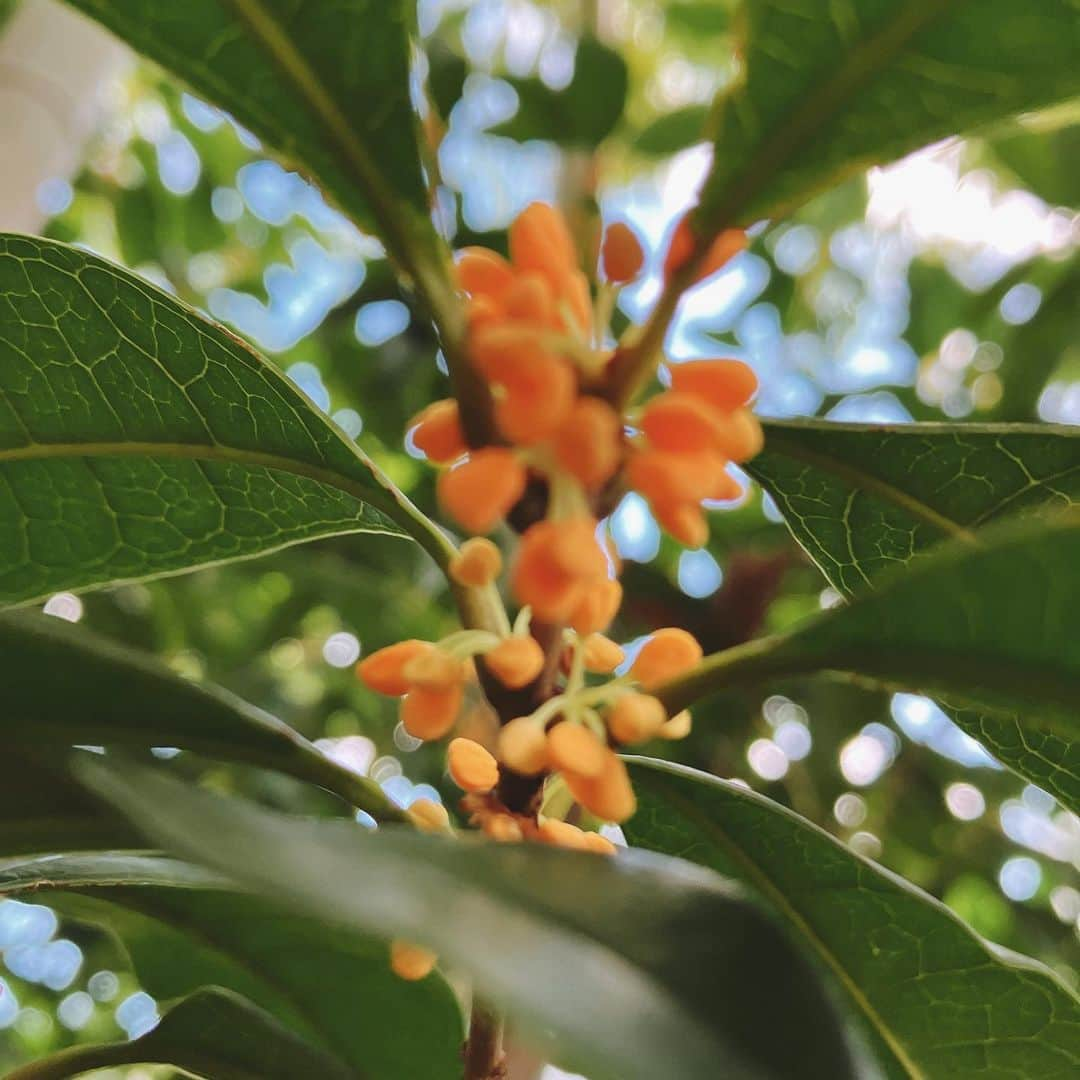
[[539, 338]]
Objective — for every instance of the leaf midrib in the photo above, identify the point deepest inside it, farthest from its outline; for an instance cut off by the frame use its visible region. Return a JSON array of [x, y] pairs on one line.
[[778, 897], [787, 140]]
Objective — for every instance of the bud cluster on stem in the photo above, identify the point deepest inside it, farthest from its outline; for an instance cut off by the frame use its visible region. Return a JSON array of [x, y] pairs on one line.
[[538, 336]]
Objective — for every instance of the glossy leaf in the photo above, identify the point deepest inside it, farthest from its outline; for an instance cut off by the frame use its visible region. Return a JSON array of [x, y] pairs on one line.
[[832, 88], [185, 928], [325, 83], [520, 917], [865, 498], [991, 627], [934, 997], [65, 687], [212, 1033], [139, 439]]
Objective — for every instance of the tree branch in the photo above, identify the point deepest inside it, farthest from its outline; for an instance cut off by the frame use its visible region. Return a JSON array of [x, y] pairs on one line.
[[485, 1058]]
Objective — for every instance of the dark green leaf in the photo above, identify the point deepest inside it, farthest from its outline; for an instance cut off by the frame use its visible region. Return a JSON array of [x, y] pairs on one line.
[[567, 941], [64, 687], [446, 76], [992, 626], [214, 1034], [138, 439], [831, 88], [185, 929], [863, 498], [699, 16], [936, 999], [581, 115], [324, 82], [673, 132], [42, 810], [1043, 160]]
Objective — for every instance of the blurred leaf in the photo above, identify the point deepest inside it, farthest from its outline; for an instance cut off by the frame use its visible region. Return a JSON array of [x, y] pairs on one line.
[[446, 76], [43, 810], [699, 16], [1044, 161], [520, 917], [861, 498], [185, 929], [211, 1033], [323, 83], [896, 953], [830, 89], [64, 687], [673, 132], [139, 439], [992, 625], [583, 114]]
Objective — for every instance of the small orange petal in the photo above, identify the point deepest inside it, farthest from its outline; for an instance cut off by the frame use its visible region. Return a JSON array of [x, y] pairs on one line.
[[384, 670], [430, 714], [472, 768], [680, 422], [523, 746], [602, 655], [437, 431], [597, 608], [477, 563], [516, 661], [610, 796], [636, 717], [411, 962], [668, 652], [483, 272], [573, 748], [724, 384], [482, 490], [589, 443]]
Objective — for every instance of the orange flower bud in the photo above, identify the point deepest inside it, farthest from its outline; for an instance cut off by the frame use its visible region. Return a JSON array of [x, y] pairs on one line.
[[434, 670], [410, 961], [540, 240], [437, 431], [678, 727], [430, 714], [523, 746], [636, 717], [684, 521], [576, 550], [573, 748], [530, 300], [680, 422], [428, 816], [562, 834], [483, 272], [602, 655], [502, 827], [597, 607], [516, 661], [384, 670], [724, 384], [683, 242], [666, 477], [621, 254], [556, 561], [472, 768], [740, 435], [477, 563], [727, 488], [481, 311], [600, 844], [668, 653], [610, 795], [537, 398], [589, 443], [481, 490]]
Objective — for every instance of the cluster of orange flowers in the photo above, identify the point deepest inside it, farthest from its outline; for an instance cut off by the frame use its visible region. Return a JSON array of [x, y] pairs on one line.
[[541, 342]]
